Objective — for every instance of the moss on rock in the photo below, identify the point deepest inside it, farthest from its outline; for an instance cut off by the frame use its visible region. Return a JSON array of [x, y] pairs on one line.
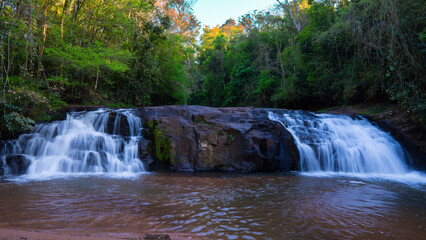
[[162, 143]]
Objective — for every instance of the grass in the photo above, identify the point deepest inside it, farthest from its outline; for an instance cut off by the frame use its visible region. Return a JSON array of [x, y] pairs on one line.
[[324, 110]]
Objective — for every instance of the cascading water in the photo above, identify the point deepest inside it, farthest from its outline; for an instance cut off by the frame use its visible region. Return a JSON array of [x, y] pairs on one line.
[[86, 142], [334, 143]]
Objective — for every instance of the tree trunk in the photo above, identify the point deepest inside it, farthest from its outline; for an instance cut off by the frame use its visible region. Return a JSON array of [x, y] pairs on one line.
[[45, 26], [281, 61], [287, 8], [64, 13], [97, 78]]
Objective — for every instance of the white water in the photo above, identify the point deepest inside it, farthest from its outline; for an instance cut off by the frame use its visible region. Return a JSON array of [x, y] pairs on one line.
[[334, 144], [82, 144], [329, 145]]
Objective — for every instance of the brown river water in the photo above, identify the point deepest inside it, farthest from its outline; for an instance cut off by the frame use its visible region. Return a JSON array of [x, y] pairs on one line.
[[218, 206]]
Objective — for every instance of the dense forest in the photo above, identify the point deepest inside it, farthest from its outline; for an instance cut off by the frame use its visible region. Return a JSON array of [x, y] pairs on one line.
[[298, 54]]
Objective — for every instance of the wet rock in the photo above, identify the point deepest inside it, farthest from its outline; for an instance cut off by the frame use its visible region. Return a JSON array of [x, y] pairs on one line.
[[100, 143], [92, 160], [415, 152], [104, 160], [224, 139], [145, 154], [17, 164], [22, 141], [8, 147], [96, 159], [118, 124], [2, 165], [111, 123], [82, 142], [120, 143], [55, 132]]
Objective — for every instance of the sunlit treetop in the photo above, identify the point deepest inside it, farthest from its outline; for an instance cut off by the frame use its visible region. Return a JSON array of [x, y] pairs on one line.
[[182, 18]]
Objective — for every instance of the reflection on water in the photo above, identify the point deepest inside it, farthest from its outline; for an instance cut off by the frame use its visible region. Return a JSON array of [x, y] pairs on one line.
[[219, 206]]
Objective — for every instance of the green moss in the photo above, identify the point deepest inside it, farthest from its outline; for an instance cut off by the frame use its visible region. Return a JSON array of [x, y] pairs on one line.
[[162, 144], [324, 110], [376, 109], [151, 124], [230, 138], [201, 120]]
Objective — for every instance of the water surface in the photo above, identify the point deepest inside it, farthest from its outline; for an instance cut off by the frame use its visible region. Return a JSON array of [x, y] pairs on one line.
[[218, 206]]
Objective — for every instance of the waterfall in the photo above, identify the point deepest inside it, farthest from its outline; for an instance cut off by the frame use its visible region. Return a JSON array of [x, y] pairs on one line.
[[102, 141], [337, 143]]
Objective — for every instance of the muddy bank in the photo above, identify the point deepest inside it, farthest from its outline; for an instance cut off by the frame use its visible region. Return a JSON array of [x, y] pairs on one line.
[[13, 234]]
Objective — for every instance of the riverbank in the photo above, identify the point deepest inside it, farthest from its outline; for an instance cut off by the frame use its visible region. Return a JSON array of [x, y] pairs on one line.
[[13, 234]]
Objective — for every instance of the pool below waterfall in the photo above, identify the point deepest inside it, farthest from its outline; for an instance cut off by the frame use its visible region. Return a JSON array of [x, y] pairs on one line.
[[95, 173], [219, 205]]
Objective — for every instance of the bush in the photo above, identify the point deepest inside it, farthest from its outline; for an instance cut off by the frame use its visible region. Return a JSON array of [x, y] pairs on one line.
[[33, 104], [16, 123]]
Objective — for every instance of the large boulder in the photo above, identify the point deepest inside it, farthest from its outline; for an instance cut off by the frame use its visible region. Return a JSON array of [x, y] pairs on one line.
[[145, 154], [195, 138], [17, 164], [118, 124]]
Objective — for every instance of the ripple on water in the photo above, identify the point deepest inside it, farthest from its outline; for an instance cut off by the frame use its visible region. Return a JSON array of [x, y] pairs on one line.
[[247, 206]]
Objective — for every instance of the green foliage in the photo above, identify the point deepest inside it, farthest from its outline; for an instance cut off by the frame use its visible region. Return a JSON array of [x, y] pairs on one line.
[[16, 123], [92, 57], [344, 52], [119, 105], [33, 103], [138, 53], [115, 53], [173, 86]]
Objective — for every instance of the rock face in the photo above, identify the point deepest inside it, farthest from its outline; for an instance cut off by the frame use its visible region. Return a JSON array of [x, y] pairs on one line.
[[118, 124], [414, 148], [224, 139], [17, 164]]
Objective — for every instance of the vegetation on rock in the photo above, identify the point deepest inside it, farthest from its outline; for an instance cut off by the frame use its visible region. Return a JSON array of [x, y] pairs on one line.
[[162, 144]]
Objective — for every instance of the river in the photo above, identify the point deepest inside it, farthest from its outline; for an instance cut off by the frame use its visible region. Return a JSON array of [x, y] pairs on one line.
[[219, 205]]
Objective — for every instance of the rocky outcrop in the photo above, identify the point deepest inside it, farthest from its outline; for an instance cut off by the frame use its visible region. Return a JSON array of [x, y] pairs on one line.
[[195, 138]]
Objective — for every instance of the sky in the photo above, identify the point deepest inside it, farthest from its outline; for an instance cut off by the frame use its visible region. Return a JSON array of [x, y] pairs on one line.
[[213, 12]]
